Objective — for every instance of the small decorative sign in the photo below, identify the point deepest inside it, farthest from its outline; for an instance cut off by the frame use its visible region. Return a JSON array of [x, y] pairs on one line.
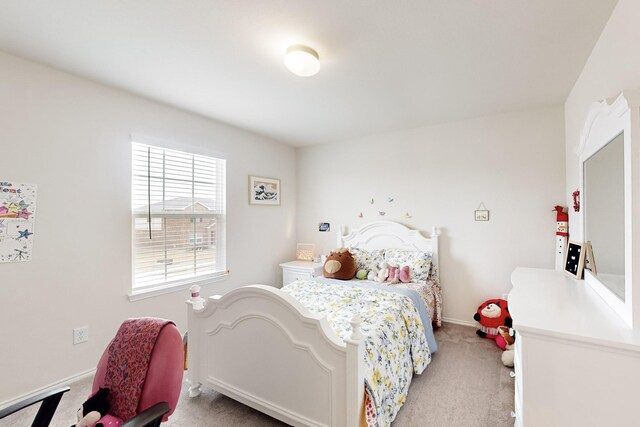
[[574, 259], [482, 213], [324, 227]]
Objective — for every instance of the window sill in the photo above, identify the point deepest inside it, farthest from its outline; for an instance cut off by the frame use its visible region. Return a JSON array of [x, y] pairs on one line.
[[174, 287]]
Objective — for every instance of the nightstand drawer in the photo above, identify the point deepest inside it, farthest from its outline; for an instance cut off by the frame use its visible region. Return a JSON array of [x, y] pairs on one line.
[[292, 275], [300, 270]]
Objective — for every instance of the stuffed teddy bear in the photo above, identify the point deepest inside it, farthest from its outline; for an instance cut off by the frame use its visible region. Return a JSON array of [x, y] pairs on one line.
[[491, 314], [339, 265], [93, 409], [506, 340], [383, 273]]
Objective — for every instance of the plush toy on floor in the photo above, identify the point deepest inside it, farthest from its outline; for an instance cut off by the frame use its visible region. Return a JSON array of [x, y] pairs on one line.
[[506, 340], [93, 409], [491, 314]]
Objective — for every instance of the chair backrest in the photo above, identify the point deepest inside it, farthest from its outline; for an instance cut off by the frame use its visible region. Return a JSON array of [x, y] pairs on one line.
[[164, 376]]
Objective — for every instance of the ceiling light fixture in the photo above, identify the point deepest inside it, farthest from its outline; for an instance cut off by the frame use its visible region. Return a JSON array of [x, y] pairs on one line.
[[302, 60]]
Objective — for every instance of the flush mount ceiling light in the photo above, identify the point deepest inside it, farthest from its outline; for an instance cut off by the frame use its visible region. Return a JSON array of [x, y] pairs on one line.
[[302, 60]]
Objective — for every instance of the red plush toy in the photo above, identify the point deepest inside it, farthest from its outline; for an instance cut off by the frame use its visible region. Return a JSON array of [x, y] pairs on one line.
[[491, 314]]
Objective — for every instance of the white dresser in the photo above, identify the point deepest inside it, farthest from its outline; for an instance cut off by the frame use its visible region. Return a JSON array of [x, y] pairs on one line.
[[295, 270], [577, 363]]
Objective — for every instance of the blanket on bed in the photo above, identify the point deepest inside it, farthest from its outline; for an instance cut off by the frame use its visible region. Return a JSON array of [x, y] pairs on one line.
[[415, 291], [395, 344]]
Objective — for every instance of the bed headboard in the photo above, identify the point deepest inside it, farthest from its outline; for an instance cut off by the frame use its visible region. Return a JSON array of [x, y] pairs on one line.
[[389, 234]]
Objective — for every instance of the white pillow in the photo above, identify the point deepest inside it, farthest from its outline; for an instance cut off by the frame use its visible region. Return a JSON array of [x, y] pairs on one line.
[[418, 262], [367, 260]]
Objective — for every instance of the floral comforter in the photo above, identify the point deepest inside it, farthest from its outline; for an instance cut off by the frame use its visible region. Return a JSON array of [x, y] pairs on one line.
[[395, 345]]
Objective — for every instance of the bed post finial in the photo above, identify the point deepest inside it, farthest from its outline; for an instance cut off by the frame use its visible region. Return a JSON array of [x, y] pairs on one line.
[[356, 333], [197, 302]]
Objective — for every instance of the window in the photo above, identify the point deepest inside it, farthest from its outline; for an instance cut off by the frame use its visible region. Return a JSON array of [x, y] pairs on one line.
[[178, 217]]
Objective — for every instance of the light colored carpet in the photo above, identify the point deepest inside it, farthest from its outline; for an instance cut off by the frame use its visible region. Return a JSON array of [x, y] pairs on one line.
[[466, 385]]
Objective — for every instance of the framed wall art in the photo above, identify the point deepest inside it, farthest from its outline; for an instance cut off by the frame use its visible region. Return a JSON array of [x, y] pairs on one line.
[[264, 191]]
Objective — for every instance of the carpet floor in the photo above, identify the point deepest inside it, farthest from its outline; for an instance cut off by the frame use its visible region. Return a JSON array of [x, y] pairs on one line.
[[465, 385]]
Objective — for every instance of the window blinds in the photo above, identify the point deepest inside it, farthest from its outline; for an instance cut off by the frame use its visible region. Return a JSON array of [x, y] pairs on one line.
[[178, 213]]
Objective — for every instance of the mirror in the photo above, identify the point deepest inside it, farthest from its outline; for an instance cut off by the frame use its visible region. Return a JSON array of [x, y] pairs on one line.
[[604, 208]]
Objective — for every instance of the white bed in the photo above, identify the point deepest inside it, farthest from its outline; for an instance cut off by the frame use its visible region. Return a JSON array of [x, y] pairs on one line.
[[247, 343]]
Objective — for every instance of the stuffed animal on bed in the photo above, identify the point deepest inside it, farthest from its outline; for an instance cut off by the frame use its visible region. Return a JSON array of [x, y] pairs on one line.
[[405, 274], [339, 265], [383, 273], [394, 274], [491, 314]]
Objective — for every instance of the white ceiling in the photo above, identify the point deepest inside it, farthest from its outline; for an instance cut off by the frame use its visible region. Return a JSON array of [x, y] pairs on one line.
[[385, 65]]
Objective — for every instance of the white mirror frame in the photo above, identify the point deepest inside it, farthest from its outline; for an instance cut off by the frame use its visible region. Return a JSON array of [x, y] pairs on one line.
[[604, 122]]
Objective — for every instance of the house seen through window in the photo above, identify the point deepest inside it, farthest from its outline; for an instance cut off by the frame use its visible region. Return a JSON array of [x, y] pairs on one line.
[[178, 213]]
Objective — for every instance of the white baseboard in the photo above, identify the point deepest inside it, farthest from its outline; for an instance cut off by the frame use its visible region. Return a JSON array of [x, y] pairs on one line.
[[460, 322], [61, 383]]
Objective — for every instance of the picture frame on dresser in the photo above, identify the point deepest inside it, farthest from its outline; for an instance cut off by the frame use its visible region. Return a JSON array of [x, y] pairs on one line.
[[574, 259]]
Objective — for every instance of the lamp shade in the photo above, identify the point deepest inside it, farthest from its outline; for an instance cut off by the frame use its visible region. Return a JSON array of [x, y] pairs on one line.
[[302, 60]]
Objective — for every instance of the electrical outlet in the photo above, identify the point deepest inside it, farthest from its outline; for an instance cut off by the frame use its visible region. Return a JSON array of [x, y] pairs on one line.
[[80, 334]]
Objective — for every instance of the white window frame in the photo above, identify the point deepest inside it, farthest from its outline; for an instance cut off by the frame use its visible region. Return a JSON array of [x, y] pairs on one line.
[[141, 292]]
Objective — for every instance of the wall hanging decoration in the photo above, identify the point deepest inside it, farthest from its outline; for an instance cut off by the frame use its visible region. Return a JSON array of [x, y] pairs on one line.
[[372, 201], [576, 201], [324, 227], [390, 199], [482, 213], [407, 215], [360, 215], [264, 191], [382, 213], [17, 221]]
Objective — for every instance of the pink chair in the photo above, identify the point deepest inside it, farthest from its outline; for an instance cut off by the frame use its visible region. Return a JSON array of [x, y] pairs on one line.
[[163, 381]]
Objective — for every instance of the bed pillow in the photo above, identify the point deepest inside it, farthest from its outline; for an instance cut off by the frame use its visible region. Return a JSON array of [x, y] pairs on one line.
[[419, 262], [368, 260]]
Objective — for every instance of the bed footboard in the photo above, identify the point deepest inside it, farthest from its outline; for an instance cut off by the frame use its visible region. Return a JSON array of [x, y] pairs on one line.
[[260, 346]]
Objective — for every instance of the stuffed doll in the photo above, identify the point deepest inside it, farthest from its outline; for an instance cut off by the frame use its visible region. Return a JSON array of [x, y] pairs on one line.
[[93, 409], [491, 314], [339, 265]]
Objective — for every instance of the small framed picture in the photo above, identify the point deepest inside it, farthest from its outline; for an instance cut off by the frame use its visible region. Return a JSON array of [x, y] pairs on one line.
[[574, 259], [324, 227], [482, 215], [264, 191]]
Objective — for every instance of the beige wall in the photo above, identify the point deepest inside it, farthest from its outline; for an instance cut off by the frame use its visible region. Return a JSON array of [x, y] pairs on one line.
[[70, 136], [614, 66], [514, 163]]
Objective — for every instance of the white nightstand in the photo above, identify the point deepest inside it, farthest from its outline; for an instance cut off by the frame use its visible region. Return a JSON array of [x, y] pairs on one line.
[[295, 270]]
